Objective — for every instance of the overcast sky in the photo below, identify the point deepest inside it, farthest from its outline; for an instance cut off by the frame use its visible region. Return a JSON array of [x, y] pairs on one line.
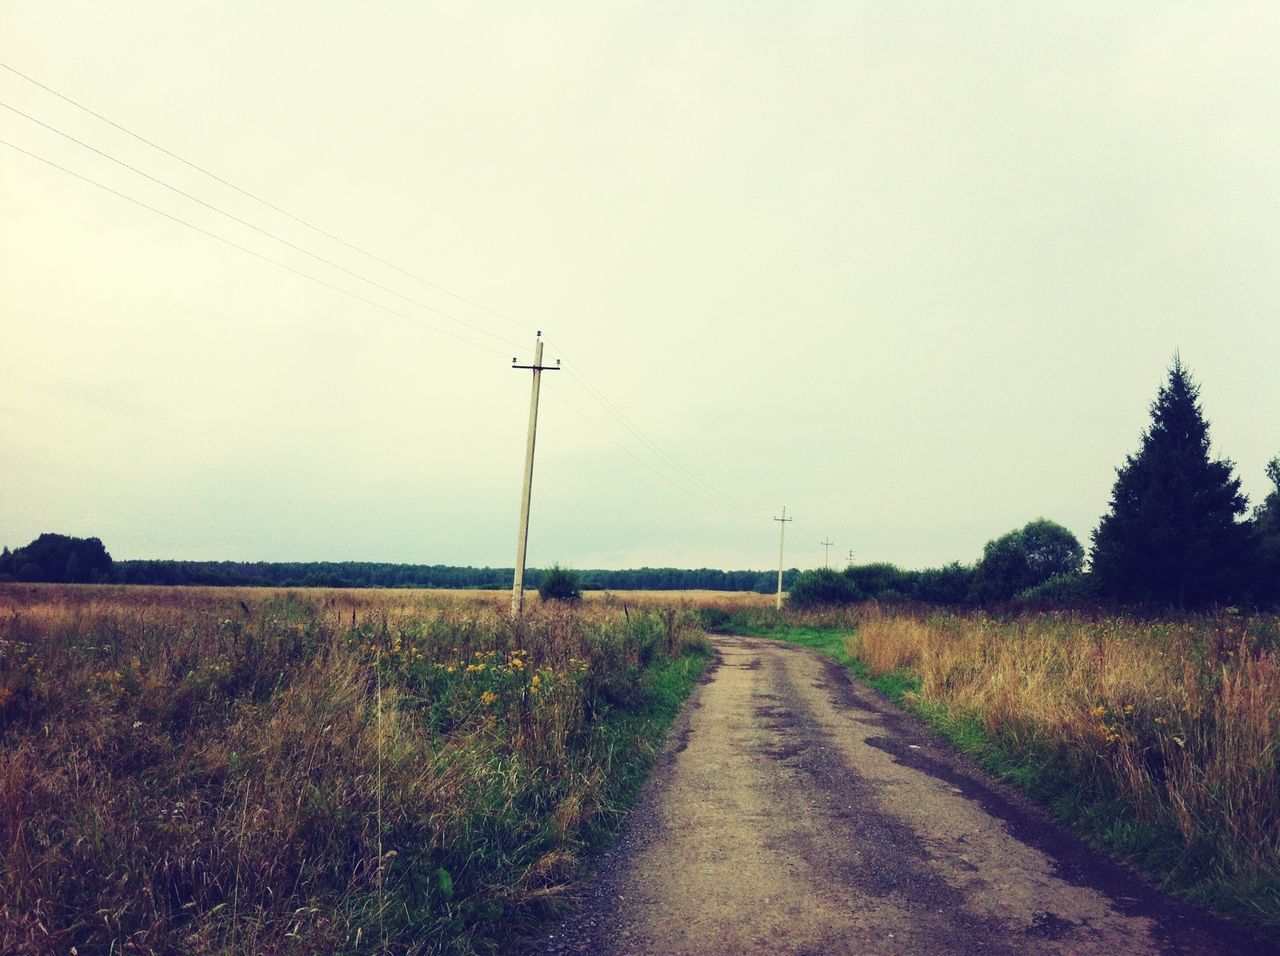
[[913, 270]]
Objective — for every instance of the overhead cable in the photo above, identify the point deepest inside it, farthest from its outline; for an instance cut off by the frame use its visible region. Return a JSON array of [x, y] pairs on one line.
[[252, 252], [685, 489], [722, 500], [264, 202], [258, 229]]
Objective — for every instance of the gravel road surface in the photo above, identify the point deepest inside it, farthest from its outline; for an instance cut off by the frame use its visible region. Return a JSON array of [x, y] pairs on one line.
[[795, 812]]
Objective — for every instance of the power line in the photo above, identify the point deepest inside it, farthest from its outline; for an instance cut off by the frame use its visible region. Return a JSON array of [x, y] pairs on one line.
[[595, 393], [252, 252], [726, 503], [258, 229], [264, 202], [630, 426], [684, 489]]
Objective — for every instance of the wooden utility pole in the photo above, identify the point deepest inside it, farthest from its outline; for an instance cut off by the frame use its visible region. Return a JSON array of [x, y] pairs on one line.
[[851, 557], [522, 544], [826, 561], [782, 534]]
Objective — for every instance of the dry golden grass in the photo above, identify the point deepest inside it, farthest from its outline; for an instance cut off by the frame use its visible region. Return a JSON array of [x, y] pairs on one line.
[[1179, 719], [736, 600], [248, 770]]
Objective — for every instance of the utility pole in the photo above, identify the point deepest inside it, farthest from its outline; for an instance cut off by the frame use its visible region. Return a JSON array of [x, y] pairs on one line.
[[851, 557], [826, 561], [522, 544], [782, 534]]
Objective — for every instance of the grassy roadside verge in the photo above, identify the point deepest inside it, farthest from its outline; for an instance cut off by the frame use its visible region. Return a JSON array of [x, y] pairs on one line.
[[1117, 762], [266, 773]]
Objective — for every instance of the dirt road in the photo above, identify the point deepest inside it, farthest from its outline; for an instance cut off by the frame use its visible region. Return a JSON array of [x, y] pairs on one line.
[[796, 813]]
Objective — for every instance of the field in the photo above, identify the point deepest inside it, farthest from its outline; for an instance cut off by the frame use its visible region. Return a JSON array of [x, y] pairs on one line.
[[223, 770], [246, 770]]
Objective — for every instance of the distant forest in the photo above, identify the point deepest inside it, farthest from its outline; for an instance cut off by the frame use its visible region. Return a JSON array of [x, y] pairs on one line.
[[363, 574], [63, 559]]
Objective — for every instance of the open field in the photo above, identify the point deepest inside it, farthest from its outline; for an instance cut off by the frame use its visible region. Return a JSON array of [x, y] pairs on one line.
[[244, 770], [61, 599], [210, 769], [689, 599]]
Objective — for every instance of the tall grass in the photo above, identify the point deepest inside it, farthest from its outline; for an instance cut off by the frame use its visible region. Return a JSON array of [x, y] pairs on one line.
[[1166, 732], [257, 771]]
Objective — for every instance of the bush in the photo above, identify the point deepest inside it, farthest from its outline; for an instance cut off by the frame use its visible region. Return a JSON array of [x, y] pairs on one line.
[[882, 581], [1025, 558], [560, 584], [822, 586], [1060, 591], [946, 585], [713, 619]]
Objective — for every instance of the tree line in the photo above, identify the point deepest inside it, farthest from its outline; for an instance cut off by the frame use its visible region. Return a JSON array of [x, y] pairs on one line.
[[63, 559], [1177, 533]]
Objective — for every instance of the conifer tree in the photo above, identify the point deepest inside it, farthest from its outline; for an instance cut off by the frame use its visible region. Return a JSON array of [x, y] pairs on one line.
[[1172, 535], [1266, 528]]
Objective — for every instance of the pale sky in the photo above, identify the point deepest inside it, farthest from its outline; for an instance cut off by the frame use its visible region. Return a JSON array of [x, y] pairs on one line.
[[913, 270]]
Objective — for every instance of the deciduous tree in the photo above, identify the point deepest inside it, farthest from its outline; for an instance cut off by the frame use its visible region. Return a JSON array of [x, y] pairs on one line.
[[1025, 558]]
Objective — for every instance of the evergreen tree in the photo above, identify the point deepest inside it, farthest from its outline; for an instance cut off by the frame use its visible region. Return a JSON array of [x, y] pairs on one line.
[[1172, 535], [560, 584], [1266, 529]]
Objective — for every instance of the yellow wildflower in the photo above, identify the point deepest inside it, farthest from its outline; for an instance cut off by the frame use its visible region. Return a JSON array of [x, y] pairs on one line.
[[488, 697]]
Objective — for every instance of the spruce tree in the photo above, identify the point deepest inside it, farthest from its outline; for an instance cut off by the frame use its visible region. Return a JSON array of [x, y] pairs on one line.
[[1266, 530], [1172, 535]]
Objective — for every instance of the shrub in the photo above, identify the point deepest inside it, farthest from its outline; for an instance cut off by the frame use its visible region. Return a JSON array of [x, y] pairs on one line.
[[1060, 591], [560, 584], [883, 581], [822, 586], [951, 584], [713, 619]]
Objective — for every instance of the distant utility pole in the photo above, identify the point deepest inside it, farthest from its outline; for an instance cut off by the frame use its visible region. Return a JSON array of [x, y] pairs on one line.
[[782, 534], [826, 561], [851, 557], [522, 545]]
